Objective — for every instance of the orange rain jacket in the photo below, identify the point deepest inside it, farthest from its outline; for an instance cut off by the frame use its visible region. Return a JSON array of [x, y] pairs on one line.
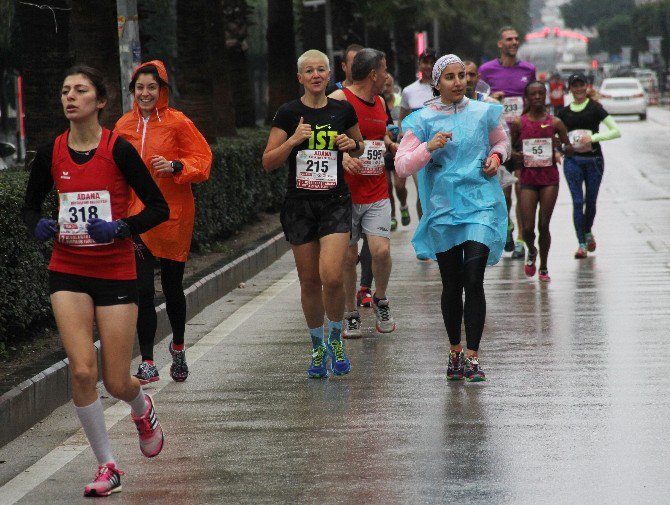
[[168, 133]]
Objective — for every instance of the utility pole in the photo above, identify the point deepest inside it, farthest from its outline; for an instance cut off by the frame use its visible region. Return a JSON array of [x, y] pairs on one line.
[[328, 21], [130, 55]]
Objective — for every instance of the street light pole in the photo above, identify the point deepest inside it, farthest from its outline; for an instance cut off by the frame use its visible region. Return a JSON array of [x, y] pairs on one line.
[[129, 45], [329, 37]]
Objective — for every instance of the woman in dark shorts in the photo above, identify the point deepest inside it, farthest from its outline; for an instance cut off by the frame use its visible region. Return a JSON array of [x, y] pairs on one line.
[[312, 133], [92, 267], [533, 137]]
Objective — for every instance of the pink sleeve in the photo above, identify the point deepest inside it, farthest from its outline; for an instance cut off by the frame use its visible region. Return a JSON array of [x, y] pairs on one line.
[[412, 155], [500, 142]]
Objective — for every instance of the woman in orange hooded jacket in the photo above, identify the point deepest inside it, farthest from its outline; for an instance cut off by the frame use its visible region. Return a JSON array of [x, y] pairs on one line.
[[177, 155]]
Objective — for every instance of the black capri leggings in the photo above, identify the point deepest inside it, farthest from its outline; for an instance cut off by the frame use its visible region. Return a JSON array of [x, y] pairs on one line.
[[462, 268], [172, 276]]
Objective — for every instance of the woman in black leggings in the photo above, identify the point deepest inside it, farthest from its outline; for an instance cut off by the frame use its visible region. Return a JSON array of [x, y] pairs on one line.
[[177, 156], [456, 146]]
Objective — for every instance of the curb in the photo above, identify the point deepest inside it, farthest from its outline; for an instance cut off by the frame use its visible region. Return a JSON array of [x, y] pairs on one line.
[[36, 398]]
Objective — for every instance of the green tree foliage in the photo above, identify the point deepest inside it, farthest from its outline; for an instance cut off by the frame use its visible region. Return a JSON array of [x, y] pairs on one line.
[[615, 32], [588, 13], [652, 20]]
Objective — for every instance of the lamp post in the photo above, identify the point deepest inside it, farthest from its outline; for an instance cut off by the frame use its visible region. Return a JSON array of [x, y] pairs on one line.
[[328, 18]]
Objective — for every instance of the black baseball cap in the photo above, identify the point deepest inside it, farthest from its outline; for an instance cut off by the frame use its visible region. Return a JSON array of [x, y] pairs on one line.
[[577, 76], [428, 54]]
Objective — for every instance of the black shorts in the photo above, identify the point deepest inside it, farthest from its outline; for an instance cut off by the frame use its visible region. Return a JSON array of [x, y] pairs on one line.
[[305, 220], [104, 292]]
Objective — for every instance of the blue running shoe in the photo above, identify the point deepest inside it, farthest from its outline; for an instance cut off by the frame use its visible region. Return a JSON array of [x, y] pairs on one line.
[[340, 361], [318, 369]]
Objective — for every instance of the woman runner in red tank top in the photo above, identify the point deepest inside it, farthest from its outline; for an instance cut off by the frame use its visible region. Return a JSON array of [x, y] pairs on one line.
[[533, 138], [92, 267]]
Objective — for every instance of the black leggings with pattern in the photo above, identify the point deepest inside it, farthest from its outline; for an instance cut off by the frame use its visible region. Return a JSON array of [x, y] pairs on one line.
[[462, 269], [172, 275]]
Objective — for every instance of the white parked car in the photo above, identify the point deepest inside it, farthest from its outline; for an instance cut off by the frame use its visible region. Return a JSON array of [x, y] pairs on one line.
[[624, 95]]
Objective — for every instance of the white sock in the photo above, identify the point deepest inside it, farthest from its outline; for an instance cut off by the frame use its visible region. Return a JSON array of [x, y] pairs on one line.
[[139, 405], [92, 419]]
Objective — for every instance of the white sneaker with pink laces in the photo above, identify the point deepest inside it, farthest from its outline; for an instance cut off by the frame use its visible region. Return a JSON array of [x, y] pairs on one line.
[[150, 431]]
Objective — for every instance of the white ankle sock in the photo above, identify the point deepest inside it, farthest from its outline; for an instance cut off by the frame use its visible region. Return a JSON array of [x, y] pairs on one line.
[[92, 419], [139, 405]]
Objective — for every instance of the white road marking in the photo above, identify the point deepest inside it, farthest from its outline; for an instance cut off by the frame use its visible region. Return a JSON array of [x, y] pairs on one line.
[[35, 475]]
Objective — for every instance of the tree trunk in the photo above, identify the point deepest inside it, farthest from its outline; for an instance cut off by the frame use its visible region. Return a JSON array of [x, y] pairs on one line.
[[202, 74], [95, 42], [283, 85], [237, 14], [44, 36]]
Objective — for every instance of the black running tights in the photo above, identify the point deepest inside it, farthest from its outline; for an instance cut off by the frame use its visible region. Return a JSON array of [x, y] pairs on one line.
[[462, 268], [172, 275]]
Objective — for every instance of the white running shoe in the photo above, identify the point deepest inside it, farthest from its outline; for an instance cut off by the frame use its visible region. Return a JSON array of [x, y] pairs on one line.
[[385, 321]]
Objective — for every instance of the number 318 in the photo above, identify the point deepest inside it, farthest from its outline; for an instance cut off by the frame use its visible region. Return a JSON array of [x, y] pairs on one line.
[[75, 212]]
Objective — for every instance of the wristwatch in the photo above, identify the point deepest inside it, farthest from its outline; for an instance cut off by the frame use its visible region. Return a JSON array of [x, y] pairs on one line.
[[123, 230], [358, 145], [177, 166]]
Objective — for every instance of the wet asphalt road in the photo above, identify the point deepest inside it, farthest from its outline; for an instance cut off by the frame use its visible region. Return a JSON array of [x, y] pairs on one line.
[[576, 407]]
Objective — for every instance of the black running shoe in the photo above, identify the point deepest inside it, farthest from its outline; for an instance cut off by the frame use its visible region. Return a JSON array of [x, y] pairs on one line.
[[179, 368]]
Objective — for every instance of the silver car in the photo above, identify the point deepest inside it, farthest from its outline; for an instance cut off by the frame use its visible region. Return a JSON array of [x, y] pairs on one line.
[[624, 95]]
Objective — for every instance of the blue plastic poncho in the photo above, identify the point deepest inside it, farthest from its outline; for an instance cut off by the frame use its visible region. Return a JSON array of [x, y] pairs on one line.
[[459, 202]]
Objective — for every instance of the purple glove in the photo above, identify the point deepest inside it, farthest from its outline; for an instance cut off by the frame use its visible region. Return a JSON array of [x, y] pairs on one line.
[[102, 231], [45, 229]]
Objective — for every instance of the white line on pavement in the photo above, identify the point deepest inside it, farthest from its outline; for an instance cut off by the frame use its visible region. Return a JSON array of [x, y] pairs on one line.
[[40, 471]]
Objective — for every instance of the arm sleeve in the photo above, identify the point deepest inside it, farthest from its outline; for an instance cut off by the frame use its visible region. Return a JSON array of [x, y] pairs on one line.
[[499, 134], [194, 153], [350, 119], [412, 155], [611, 133], [40, 184], [284, 121], [136, 173], [500, 141]]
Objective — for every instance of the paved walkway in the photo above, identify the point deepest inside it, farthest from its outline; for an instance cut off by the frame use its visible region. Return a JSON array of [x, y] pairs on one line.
[[575, 408]]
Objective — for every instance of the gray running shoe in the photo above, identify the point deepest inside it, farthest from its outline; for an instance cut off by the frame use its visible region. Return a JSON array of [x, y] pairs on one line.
[[385, 321], [352, 325], [519, 252]]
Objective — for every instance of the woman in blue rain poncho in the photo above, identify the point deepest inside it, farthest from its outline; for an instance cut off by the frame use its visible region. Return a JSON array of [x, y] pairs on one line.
[[456, 146]]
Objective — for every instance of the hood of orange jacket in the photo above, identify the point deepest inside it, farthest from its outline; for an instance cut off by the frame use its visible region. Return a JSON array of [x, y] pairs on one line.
[[163, 94]]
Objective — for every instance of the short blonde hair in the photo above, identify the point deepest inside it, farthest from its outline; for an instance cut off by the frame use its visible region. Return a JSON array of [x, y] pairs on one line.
[[312, 53]]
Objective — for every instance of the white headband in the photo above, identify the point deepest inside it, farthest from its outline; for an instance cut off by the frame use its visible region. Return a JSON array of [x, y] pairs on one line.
[[441, 64]]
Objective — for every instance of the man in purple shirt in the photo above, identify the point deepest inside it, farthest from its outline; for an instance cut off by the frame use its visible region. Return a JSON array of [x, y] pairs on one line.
[[508, 77]]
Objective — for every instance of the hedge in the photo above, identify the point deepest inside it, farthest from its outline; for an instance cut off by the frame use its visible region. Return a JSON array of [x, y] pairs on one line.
[[238, 189]]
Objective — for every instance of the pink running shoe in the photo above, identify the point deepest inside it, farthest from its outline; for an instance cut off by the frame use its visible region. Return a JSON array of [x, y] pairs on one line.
[[544, 276], [150, 431], [107, 481], [581, 252], [590, 242], [530, 268]]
